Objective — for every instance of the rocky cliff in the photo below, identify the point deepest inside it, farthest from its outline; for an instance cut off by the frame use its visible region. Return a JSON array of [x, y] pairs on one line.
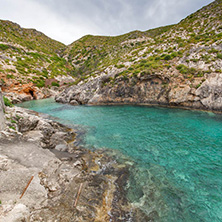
[[177, 65], [154, 89], [2, 118]]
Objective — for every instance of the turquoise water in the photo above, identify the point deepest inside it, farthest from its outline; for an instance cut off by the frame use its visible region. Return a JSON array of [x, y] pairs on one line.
[[177, 154]]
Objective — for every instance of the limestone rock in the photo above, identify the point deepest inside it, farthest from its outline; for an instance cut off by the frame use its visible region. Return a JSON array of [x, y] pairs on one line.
[[62, 147], [210, 93], [58, 139], [27, 123], [19, 213], [156, 88], [74, 102], [179, 95], [34, 136]]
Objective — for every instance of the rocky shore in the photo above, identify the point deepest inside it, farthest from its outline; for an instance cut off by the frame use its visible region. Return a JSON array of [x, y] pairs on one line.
[[69, 183], [156, 89]]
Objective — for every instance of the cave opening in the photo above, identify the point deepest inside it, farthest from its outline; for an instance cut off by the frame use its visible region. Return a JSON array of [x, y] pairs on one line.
[[32, 94]]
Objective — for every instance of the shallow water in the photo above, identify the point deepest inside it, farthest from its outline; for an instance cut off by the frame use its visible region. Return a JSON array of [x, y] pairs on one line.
[[177, 154]]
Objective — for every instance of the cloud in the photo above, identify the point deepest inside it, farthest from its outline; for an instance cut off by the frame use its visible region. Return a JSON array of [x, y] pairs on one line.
[[69, 20]]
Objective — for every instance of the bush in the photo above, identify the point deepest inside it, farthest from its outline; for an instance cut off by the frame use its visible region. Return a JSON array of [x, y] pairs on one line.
[[55, 84], [3, 47], [9, 76], [167, 57], [186, 70], [7, 101], [174, 54], [40, 83], [183, 69], [219, 56], [120, 66]]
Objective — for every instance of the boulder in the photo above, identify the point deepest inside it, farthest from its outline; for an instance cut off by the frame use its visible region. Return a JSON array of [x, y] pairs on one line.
[[20, 212], [27, 123], [62, 147], [74, 102], [210, 92], [58, 141], [179, 95], [34, 136]]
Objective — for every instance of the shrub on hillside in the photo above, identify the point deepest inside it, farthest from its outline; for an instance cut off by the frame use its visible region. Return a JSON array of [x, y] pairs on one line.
[[219, 55], [167, 57], [55, 84], [3, 47], [7, 101], [186, 70], [40, 83]]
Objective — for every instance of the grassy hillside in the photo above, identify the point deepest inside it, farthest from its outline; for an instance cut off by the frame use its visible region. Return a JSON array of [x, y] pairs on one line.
[[93, 54], [27, 55], [28, 38], [191, 48]]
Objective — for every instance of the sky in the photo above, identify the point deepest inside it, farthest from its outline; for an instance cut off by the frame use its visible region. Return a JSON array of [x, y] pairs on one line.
[[69, 20]]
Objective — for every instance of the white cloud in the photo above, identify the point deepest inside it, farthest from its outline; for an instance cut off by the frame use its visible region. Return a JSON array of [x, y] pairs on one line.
[[68, 20], [31, 14]]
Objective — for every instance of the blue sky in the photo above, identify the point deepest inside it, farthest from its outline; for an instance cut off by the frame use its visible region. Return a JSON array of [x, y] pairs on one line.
[[69, 20]]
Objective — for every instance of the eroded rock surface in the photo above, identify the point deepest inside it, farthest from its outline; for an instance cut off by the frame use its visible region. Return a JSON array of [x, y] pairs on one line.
[[59, 171], [158, 89]]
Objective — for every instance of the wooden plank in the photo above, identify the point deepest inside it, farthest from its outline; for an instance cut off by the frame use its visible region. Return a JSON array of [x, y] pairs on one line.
[[78, 194], [26, 187]]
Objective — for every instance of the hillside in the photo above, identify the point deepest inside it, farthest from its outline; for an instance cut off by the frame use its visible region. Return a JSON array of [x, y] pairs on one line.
[[178, 65], [27, 59], [94, 53]]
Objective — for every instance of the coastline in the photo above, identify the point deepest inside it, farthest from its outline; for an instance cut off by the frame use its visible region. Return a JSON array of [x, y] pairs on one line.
[[104, 177], [58, 174], [155, 105]]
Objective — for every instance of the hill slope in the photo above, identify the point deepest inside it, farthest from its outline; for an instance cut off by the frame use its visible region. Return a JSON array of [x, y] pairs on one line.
[[177, 65], [28, 57]]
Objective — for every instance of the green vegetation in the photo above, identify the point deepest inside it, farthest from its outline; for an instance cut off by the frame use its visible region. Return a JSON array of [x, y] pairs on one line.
[[9, 76], [7, 101], [28, 38], [3, 47], [55, 84], [12, 127], [186, 70], [119, 66], [219, 55], [40, 83]]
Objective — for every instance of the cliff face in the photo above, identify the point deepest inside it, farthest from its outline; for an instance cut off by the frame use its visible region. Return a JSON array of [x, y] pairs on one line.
[[154, 89], [2, 118], [177, 65]]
